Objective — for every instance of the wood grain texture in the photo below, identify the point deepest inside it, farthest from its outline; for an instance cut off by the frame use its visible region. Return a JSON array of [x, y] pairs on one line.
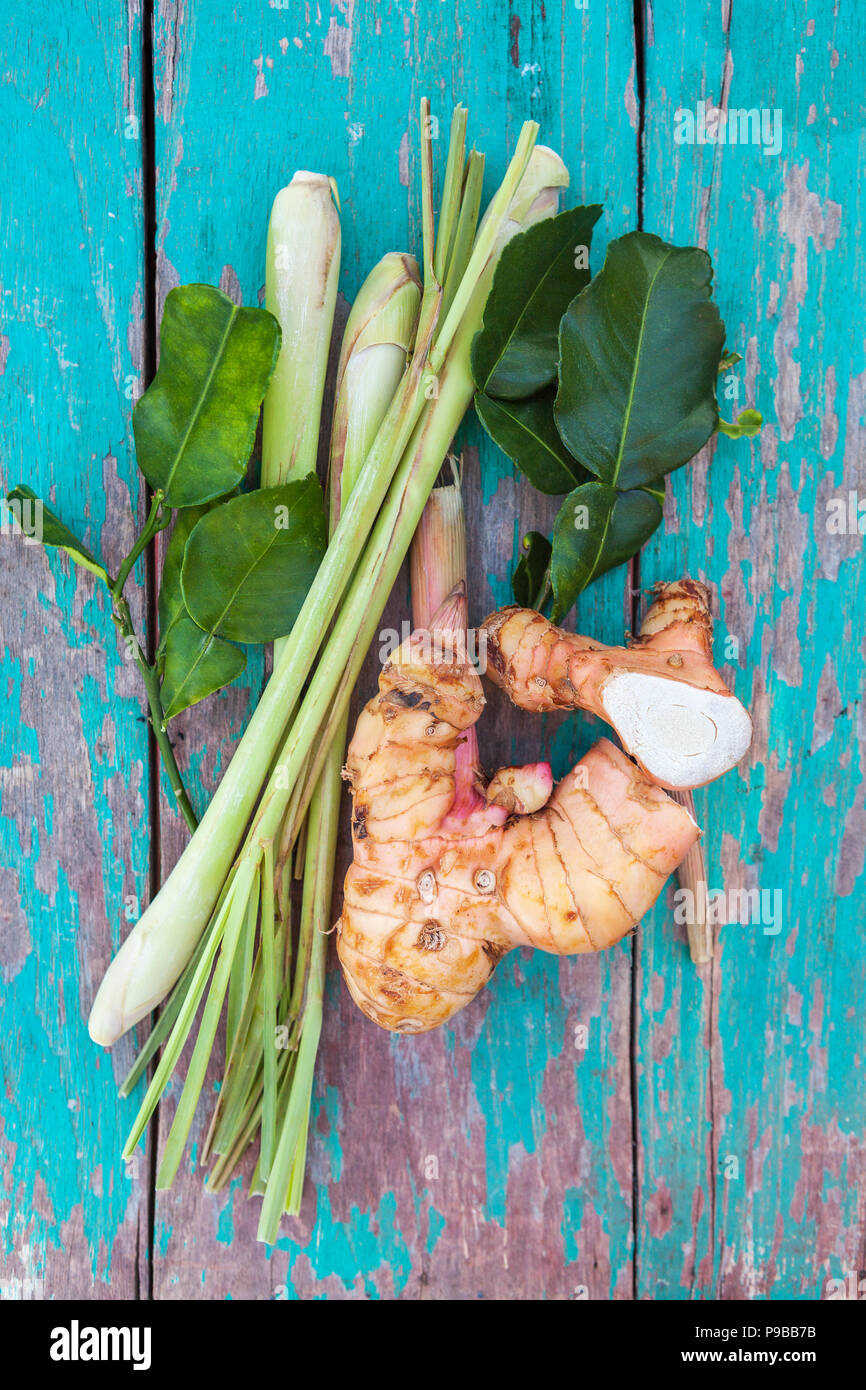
[[751, 1071], [74, 829], [495, 1158]]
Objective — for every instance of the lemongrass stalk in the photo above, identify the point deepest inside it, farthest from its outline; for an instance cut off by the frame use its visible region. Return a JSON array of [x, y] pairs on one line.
[[428, 226], [378, 339], [302, 270], [228, 1161], [285, 869], [257, 1183], [158, 948], [241, 1072], [301, 275], [296, 811], [296, 1180], [284, 900], [437, 559], [467, 226]]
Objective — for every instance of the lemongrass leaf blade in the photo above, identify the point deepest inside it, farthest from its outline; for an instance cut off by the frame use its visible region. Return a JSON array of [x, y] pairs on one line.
[[179, 1034], [163, 1025], [295, 1194], [485, 243], [269, 1012], [451, 191], [241, 978], [274, 1201], [467, 227], [183, 1117]]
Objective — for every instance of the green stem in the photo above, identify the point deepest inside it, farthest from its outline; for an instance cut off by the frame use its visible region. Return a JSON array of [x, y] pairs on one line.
[[154, 524], [157, 521], [163, 743], [150, 676]]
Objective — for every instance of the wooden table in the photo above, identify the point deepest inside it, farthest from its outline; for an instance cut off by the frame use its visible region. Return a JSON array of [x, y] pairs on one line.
[[627, 1126]]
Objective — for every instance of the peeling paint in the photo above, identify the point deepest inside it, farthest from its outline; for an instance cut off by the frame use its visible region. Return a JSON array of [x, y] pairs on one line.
[[338, 40]]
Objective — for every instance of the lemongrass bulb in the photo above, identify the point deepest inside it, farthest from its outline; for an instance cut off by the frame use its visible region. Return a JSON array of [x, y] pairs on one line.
[[539, 188], [379, 336], [537, 195], [302, 270]]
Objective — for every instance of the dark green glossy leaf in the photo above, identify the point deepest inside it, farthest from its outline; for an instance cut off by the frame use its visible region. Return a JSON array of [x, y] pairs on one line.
[[639, 354], [528, 580], [597, 528], [248, 564], [196, 664], [747, 424], [539, 272], [526, 431], [195, 424], [171, 606], [40, 523]]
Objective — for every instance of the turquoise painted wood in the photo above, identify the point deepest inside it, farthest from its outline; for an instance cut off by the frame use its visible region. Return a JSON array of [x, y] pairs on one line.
[[75, 823], [761, 1129], [495, 1158]]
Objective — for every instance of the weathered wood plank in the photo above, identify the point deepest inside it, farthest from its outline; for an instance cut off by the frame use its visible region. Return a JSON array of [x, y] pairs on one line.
[[495, 1157], [750, 1072], [74, 836], [492, 1159]]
